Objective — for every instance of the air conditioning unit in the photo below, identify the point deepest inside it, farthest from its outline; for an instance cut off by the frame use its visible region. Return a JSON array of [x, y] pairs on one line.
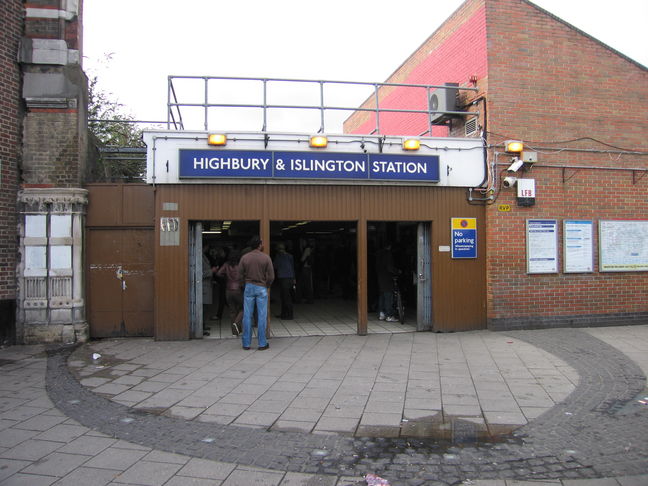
[[441, 101]]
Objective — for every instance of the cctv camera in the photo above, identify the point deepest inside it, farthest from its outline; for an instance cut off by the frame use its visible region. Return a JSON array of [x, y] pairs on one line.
[[509, 181], [515, 165]]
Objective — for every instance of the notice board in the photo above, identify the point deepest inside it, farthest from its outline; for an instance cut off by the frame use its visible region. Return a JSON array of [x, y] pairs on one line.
[[578, 246], [623, 245], [542, 245]]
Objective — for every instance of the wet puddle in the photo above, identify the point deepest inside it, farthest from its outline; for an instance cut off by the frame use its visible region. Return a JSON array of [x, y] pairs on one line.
[[448, 429]]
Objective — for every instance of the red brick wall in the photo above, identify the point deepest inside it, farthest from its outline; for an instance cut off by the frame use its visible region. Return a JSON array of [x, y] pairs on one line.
[[452, 54], [577, 103], [10, 141], [550, 83]]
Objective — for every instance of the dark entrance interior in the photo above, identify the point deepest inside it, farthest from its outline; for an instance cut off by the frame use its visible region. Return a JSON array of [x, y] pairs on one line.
[[325, 256], [220, 239], [325, 265], [402, 238]]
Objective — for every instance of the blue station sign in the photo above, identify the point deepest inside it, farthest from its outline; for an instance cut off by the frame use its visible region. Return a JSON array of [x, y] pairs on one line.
[[307, 165]]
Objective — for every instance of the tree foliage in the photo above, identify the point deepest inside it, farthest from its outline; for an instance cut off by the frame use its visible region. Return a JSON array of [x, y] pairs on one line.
[[113, 131]]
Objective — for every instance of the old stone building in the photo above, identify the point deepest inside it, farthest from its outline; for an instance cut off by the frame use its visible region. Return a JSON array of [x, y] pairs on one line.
[[44, 151]]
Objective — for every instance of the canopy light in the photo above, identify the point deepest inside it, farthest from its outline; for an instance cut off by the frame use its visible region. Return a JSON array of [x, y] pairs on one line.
[[514, 146], [411, 144], [318, 141], [217, 139]]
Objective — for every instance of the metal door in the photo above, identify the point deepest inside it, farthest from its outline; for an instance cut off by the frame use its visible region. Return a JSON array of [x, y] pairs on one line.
[[423, 279], [195, 280], [120, 282]]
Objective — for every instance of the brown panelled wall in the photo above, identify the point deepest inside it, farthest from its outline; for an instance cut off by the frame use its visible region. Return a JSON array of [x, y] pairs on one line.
[[458, 286], [119, 259]]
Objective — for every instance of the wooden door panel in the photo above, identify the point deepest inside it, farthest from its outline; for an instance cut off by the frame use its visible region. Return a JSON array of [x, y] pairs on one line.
[[104, 291], [120, 306]]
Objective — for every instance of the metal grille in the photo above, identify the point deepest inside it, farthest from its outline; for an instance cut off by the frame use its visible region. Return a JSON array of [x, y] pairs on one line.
[[35, 288], [61, 287], [424, 312], [471, 126]]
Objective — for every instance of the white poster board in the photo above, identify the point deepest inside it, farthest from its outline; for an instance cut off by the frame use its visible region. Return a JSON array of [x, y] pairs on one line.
[[623, 246], [542, 245], [578, 246]]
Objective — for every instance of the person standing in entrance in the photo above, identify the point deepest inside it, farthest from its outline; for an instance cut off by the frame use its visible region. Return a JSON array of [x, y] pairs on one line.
[[285, 271], [386, 271], [257, 274], [233, 294]]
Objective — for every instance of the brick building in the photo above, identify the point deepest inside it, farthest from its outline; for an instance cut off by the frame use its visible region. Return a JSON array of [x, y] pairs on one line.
[[10, 141], [576, 104], [43, 150], [581, 107]]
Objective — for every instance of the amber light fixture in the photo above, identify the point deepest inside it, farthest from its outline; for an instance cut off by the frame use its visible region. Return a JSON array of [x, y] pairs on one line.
[[318, 141], [411, 144], [514, 146], [217, 139]]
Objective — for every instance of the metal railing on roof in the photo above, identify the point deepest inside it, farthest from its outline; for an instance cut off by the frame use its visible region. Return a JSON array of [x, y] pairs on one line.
[[371, 103]]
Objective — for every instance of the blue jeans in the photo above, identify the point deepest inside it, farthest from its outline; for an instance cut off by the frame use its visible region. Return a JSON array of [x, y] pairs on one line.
[[255, 295], [386, 303]]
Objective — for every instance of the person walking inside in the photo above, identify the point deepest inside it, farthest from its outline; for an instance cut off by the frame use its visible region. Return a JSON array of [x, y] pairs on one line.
[[208, 272], [386, 272], [285, 272], [257, 274], [306, 273], [233, 293]]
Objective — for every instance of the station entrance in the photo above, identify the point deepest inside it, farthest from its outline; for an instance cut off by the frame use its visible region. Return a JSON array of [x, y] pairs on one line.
[[323, 294], [346, 225]]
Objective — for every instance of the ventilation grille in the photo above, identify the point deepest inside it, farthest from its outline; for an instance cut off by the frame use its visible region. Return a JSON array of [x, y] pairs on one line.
[[471, 126]]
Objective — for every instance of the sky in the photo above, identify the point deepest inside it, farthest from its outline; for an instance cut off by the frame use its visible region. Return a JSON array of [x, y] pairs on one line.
[[131, 46]]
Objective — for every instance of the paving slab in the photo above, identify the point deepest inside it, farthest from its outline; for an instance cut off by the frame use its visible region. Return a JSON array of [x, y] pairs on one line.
[[579, 390], [88, 476]]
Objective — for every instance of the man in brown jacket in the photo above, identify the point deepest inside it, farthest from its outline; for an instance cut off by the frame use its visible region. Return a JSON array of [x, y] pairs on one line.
[[257, 274]]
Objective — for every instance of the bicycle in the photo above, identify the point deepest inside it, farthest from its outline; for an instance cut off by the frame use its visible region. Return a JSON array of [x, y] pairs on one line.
[[397, 300]]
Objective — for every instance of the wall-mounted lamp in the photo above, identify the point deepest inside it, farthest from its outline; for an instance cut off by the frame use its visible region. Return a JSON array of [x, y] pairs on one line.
[[411, 144], [318, 141], [513, 146], [217, 139]]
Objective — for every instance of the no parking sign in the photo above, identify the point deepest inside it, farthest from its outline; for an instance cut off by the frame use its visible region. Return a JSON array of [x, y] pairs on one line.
[[464, 237]]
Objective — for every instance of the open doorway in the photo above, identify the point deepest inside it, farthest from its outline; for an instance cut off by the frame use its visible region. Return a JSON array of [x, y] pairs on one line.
[[324, 296], [325, 292], [398, 262], [211, 245]]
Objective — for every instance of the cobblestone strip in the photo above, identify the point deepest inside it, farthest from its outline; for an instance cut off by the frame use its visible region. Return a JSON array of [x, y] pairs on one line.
[[600, 423], [594, 433]]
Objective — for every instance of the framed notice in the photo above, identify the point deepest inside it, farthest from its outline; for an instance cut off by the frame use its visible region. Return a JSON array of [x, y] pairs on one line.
[[578, 246], [542, 245], [464, 237], [623, 246]]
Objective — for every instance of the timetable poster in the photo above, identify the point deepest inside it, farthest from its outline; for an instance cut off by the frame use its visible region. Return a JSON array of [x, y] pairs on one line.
[[542, 246], [578, 246]]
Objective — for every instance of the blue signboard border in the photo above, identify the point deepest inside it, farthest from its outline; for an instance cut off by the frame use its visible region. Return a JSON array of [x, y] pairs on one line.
[[459, 254], [256, 164]]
